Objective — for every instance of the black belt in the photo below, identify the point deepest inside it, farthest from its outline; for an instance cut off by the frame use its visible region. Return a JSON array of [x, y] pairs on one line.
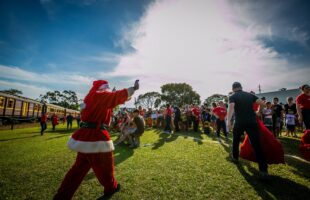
[[93, 125]]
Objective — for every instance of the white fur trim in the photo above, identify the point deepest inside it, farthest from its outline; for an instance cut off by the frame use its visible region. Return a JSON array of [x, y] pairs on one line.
[[104, 86], [130, 91], [82, 106], [90, 147]]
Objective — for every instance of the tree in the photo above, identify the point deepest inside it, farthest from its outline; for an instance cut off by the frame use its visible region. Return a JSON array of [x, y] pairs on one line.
[[51, 97], [69, 99], [148, 100], [216, 98], [66, 99], [12, 91], [179, 94]]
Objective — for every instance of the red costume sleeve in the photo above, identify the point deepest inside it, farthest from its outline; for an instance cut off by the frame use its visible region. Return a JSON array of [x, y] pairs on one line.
[[255, 107], [271, 147], [112, 99], [304, 146], [215, 110]]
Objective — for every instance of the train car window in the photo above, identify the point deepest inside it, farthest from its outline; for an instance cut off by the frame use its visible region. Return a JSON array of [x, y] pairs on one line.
[[52, 109], [1, 102], [10, 103]]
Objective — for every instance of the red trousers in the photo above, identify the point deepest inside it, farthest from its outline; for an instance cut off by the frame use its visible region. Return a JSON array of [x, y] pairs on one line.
[[103, 167]]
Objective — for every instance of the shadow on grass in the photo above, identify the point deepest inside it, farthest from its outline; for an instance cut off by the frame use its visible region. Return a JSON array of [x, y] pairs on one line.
[[276, 187], [59, 136], [163, 138], [19, 138], [60, 131], [291, 146], [63, 132], [121, 154], [197, 136], [299, 167]]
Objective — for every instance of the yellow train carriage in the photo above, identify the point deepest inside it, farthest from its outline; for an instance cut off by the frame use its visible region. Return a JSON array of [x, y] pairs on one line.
[[17, 108]]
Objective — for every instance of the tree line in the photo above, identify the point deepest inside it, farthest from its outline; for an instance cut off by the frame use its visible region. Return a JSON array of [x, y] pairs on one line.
[[66, 98], [178, 94]]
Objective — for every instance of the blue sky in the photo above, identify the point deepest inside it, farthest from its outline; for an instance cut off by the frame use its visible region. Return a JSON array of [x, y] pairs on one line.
[[65, 44], [55, 35]]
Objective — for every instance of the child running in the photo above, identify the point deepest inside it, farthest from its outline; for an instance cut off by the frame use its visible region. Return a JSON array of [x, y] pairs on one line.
[[267, 116], [290, 116], [220, 113]]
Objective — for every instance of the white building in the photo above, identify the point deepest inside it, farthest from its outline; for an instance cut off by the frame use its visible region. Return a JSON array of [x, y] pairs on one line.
[[281, 94]]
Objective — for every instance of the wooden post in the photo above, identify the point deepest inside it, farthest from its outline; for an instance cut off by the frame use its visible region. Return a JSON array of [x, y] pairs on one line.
[[28, 106], [21, 109], [12, 124], [33, 104], [5, 104]]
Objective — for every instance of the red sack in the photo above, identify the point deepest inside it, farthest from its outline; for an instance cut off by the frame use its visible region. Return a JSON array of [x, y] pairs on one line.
[[304, 147], [271, 147]]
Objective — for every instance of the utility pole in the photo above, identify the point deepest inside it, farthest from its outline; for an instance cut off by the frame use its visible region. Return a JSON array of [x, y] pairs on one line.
[[259, 89]]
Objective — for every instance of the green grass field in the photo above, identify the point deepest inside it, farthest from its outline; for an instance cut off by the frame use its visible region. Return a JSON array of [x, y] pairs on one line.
[[183, 166]]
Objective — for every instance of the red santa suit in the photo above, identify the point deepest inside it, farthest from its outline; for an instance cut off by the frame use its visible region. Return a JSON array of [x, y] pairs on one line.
[[304, 146], [93, 145], [54, 120], [270, 146]]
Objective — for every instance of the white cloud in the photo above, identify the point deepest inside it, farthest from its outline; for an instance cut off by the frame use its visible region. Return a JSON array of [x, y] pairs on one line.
[[30, 91], [17, 73], [104, 58], [204, 44], [33, 84]]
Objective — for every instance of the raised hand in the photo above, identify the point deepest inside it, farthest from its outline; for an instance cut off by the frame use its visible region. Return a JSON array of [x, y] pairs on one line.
[[136, 86]]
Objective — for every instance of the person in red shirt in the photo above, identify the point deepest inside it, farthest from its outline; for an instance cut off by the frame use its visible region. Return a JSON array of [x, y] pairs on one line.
[[213, 118], [303, 106], [195, 117], [54, 121], [43, 121], [168, 115], [141, 112], [220, 113], [92, 141]]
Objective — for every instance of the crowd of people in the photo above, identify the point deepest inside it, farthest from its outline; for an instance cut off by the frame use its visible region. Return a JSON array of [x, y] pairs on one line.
[[55, 121], [244, 112], [131, 127], [276, 116]]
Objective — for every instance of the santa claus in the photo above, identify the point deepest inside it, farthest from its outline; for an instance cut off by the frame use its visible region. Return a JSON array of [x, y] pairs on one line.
[[92, 141]]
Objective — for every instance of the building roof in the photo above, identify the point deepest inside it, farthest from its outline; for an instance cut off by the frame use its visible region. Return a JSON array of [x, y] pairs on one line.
[[282, 95], [19, 97]]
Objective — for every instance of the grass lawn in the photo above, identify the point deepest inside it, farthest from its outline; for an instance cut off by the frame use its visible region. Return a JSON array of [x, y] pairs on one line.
[[183, 166]]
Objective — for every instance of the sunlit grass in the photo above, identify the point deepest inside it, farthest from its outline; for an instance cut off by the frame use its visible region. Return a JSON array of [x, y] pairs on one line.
[[184, 166]]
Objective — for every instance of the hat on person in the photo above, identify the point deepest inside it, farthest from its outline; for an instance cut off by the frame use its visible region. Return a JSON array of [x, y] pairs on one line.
[[97, 85], [305, 86], [101, 84], [236, 85]]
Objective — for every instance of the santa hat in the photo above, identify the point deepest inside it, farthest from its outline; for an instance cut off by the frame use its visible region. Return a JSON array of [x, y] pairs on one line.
[[87, 140], [97, 85], [100, 84]]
